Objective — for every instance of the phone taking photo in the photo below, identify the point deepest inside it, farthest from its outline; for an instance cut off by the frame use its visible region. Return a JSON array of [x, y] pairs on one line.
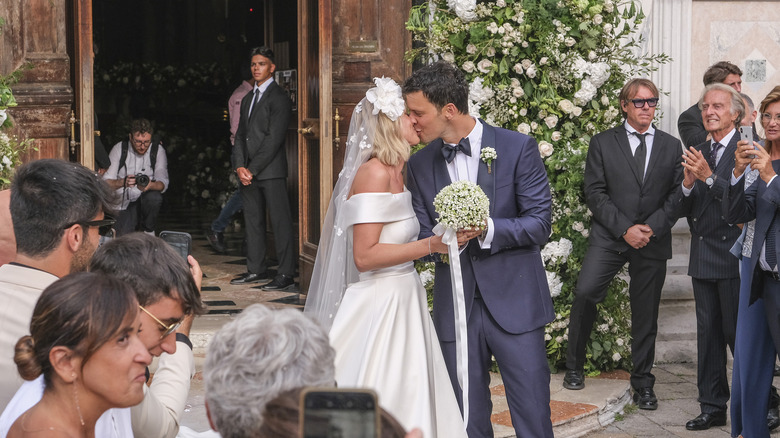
[[746, 133], [180, 241], [339, 412]]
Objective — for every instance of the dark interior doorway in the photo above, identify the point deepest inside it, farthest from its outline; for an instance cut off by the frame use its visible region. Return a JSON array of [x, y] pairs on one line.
[[176, 62]]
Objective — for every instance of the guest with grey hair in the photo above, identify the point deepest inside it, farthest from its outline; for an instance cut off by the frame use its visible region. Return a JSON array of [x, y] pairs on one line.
[[256, 357]]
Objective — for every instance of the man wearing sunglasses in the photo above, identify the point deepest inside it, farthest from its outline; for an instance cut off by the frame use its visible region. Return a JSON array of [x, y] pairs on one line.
[[58, 209], [633, 182], [168, 293]]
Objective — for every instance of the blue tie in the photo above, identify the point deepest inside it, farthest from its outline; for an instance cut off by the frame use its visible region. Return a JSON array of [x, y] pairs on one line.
[[712, 161], [449, 151]]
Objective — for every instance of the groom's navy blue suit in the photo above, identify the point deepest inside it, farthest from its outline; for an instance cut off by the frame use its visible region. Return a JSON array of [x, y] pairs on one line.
[[507, 299]]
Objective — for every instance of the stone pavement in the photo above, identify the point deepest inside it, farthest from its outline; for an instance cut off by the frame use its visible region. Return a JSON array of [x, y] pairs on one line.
[[602, 410]]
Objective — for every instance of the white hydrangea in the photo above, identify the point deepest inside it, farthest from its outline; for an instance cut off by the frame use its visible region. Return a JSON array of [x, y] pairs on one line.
[[555, 283]]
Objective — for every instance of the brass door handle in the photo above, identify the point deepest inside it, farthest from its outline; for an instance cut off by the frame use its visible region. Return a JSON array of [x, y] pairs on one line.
[[337, 138], [73, 141], [306, 131]]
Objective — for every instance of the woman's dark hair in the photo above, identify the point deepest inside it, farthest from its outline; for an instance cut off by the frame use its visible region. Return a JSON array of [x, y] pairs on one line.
[[81, 311], [282, 417]]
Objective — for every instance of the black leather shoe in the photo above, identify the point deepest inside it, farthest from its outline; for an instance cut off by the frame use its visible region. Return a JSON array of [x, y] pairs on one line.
[[706, 420], [280, 282], [574, 379], [216, 240], [645, 399], [772, 418], [250, 279]]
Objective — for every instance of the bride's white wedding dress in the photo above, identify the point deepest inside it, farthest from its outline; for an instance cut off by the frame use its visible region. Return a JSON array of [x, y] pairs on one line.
[[383, 334]]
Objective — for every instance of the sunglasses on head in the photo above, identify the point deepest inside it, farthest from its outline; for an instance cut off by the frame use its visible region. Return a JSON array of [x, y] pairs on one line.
[[640, 103]]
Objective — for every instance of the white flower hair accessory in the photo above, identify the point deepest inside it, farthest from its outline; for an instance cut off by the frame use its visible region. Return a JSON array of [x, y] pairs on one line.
[[386, 97]]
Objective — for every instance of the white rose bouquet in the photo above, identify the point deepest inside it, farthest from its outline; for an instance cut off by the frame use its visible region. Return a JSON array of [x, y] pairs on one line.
[[462, 205]]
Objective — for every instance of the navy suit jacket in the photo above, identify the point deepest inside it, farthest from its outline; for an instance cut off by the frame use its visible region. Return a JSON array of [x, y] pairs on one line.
[[691, 127], [618, 199], [759, 202], [711, 236], [510, 275], [260, 138]]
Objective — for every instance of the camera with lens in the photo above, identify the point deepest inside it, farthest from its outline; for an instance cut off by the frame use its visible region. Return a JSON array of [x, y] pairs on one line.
[[141, 180]]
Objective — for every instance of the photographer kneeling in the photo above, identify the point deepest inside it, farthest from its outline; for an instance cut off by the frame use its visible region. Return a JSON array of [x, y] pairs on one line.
[[140, 176]]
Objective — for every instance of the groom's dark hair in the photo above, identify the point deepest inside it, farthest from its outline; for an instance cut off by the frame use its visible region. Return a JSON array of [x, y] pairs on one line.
[[441, 83]]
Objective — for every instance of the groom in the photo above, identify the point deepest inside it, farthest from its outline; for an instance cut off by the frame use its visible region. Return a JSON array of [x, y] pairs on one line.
[[505, 286]]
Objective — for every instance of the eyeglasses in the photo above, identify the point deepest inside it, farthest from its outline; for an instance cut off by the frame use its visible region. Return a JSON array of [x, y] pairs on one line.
[[767, 118], [142, 143], [168, 328], [105, 225], [640, 103]]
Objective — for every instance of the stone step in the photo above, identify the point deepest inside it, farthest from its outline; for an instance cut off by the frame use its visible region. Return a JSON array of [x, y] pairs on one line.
[[676, 340]]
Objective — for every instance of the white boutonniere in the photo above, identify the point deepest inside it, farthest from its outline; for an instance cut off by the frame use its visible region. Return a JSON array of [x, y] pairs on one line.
[[488, 155]]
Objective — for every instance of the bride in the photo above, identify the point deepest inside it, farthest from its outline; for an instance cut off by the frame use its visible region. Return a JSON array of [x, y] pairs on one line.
[[364, 286]]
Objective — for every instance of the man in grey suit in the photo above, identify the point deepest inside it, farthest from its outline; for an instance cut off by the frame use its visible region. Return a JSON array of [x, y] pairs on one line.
[[632, 187], [714, 271], [689, 124], [260, 161]]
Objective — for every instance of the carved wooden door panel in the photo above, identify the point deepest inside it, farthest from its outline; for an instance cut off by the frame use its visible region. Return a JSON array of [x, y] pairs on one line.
[[314, 122], [81, 128], [357, 41]]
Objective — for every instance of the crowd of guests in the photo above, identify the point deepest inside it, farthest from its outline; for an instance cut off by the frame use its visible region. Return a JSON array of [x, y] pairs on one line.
[[82, 321]]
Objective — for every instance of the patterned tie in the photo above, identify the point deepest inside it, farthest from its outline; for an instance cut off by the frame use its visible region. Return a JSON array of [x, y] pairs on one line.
[[640, 154], [713, 158], [449, 151], [254, 101]]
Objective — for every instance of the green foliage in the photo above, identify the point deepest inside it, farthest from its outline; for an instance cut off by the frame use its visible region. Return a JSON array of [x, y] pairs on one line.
[[551, 69]]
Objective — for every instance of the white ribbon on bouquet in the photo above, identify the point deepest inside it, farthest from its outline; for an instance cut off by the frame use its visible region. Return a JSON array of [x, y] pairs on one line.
[[450, 238]]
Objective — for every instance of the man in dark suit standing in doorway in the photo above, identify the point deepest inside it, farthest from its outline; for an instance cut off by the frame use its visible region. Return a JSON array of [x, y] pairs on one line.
[[632, 186], [260, 161], [714, 271]]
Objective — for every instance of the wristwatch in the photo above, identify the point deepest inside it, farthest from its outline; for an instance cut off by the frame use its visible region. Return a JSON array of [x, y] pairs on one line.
[[710, 180]]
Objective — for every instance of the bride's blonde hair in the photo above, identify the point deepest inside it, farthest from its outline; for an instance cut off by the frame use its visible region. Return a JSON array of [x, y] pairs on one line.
[[390, 147]]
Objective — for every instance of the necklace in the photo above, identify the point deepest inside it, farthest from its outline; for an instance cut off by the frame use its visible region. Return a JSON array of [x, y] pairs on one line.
[[24, 429]]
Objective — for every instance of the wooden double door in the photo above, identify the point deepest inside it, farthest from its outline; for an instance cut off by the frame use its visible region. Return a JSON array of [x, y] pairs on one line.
[[341, 46]]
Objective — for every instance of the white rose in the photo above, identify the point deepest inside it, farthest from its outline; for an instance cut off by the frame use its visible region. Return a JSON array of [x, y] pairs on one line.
[[531, 71], [501, 3], [523, 112], [559, 339], [547, 337], [490, 52], [523, 128], [514, 82], [566, 106], [598, 19], [492, 27], [556, 135], [616, 357], [524, 44], [551, 121], [501, 30], [468, 66], [471, 49], [518, 92], [576, 111], [534, 125], [526, 63], [619, 342], [607, 28], [518, 68], [449, 57], [569, 41], [604, 100], [484, 65], [543, 61], [545, 148]]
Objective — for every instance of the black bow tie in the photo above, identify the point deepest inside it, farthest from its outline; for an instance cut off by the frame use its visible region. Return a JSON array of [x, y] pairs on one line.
[[449, 150]]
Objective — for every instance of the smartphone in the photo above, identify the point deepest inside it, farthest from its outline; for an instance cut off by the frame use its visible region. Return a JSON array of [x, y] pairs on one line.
[[746, 133], [180, 241], [339, 412]]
